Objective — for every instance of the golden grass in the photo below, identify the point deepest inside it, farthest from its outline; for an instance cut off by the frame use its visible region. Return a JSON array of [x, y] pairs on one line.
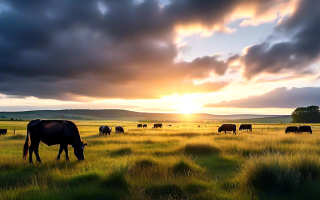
[[185, 162]]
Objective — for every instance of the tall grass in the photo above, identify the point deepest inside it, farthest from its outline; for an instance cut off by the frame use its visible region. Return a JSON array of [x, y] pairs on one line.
[[282, 174], [169, 163]]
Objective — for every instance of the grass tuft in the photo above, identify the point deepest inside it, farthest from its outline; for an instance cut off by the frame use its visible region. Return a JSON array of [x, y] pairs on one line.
[[201, 149], [185, 167], [122, 152], [281, 174], [91, 177], [194, 188], [117, 179], [168, 191], [146, 163]]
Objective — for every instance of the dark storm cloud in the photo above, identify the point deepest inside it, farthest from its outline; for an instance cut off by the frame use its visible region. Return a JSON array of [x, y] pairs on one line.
[[300, 52], [107, 49], [278, 98]]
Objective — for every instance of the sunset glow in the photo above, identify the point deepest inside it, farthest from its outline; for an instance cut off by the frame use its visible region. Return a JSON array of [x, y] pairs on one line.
[[209, 57]]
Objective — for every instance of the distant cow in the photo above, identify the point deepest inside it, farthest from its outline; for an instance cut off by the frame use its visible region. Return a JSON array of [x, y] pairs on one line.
[[52, 132], [145, 125], [119, 129], [292, 129], [157, 126], [245, 127], [139, 126], [3, 131], [105, 130], [198, 126], [169, 125], [305, 129], [228, 127]]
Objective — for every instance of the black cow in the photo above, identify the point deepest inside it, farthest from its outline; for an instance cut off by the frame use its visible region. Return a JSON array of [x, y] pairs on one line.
[[145, 125], [3, 131], [157, 126], [245, 127], [292, 129], [139, 126], [105, 130], [305, 129], [53, 132], [228, 127], [119, 129]]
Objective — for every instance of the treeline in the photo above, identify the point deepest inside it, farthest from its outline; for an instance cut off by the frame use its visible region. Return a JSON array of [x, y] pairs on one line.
[[310, 114]]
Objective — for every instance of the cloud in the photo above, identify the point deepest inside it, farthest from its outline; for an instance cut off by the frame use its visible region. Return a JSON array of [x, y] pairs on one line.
[[278, 98], [295, 55], [107, 49]]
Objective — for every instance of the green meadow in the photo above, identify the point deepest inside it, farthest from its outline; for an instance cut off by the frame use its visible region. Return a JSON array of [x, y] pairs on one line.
[[178, 162]]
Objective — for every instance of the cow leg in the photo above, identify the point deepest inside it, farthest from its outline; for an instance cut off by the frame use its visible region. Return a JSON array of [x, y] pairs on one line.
[[36, 152], [225, 132], [30, 153], [66, 151], [60, 151]]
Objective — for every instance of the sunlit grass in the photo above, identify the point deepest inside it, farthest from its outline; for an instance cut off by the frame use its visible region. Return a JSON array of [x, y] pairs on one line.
[[181, 161]]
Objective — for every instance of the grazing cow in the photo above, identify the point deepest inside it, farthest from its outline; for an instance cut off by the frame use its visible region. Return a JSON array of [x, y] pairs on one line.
[[105, 130], [157, 126], [198, 126], [139, 126], [245, 127], [3, 131], [228, 127], [305, 129], [169, 125], [119, 129], [145, 125], [292, 129], [53, 132]]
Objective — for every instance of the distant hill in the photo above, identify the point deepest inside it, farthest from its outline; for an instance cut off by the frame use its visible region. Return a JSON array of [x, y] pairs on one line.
[[268, 120], [116, 114]]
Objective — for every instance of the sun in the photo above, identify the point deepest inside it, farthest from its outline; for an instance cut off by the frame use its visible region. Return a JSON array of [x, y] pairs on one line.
[[187, 107]]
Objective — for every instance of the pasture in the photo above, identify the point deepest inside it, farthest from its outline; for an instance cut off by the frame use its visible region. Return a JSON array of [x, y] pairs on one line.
[[178, 162]]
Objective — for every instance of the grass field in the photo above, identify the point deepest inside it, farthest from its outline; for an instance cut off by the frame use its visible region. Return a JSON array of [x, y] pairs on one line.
[[178, 162]]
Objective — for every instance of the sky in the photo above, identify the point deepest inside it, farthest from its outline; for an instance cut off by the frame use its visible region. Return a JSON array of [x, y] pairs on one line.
[[182, 56]]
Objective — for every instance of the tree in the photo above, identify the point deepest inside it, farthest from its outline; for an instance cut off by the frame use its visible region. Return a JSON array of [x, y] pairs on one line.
[[310, 114]]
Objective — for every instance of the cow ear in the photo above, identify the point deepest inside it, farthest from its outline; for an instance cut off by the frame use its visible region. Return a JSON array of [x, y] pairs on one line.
[[85, 144]]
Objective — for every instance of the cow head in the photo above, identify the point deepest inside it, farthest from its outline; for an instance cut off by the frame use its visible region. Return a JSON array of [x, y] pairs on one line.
[[219, 130], [78, 150]]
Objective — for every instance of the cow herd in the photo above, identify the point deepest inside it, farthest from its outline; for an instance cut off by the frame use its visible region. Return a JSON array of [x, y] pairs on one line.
[[65, 133], [300, 129], [232, 127], [146, 126]]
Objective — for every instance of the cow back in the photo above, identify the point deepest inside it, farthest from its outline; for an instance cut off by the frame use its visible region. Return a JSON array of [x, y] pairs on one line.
[[228, 127], [3, 131], [53, 132]]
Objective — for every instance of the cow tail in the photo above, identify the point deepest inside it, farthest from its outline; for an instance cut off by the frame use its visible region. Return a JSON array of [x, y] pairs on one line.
[[26, 146]]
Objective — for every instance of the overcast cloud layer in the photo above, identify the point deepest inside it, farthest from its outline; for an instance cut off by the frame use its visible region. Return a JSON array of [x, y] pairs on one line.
[[126, 49], [278, 98]]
